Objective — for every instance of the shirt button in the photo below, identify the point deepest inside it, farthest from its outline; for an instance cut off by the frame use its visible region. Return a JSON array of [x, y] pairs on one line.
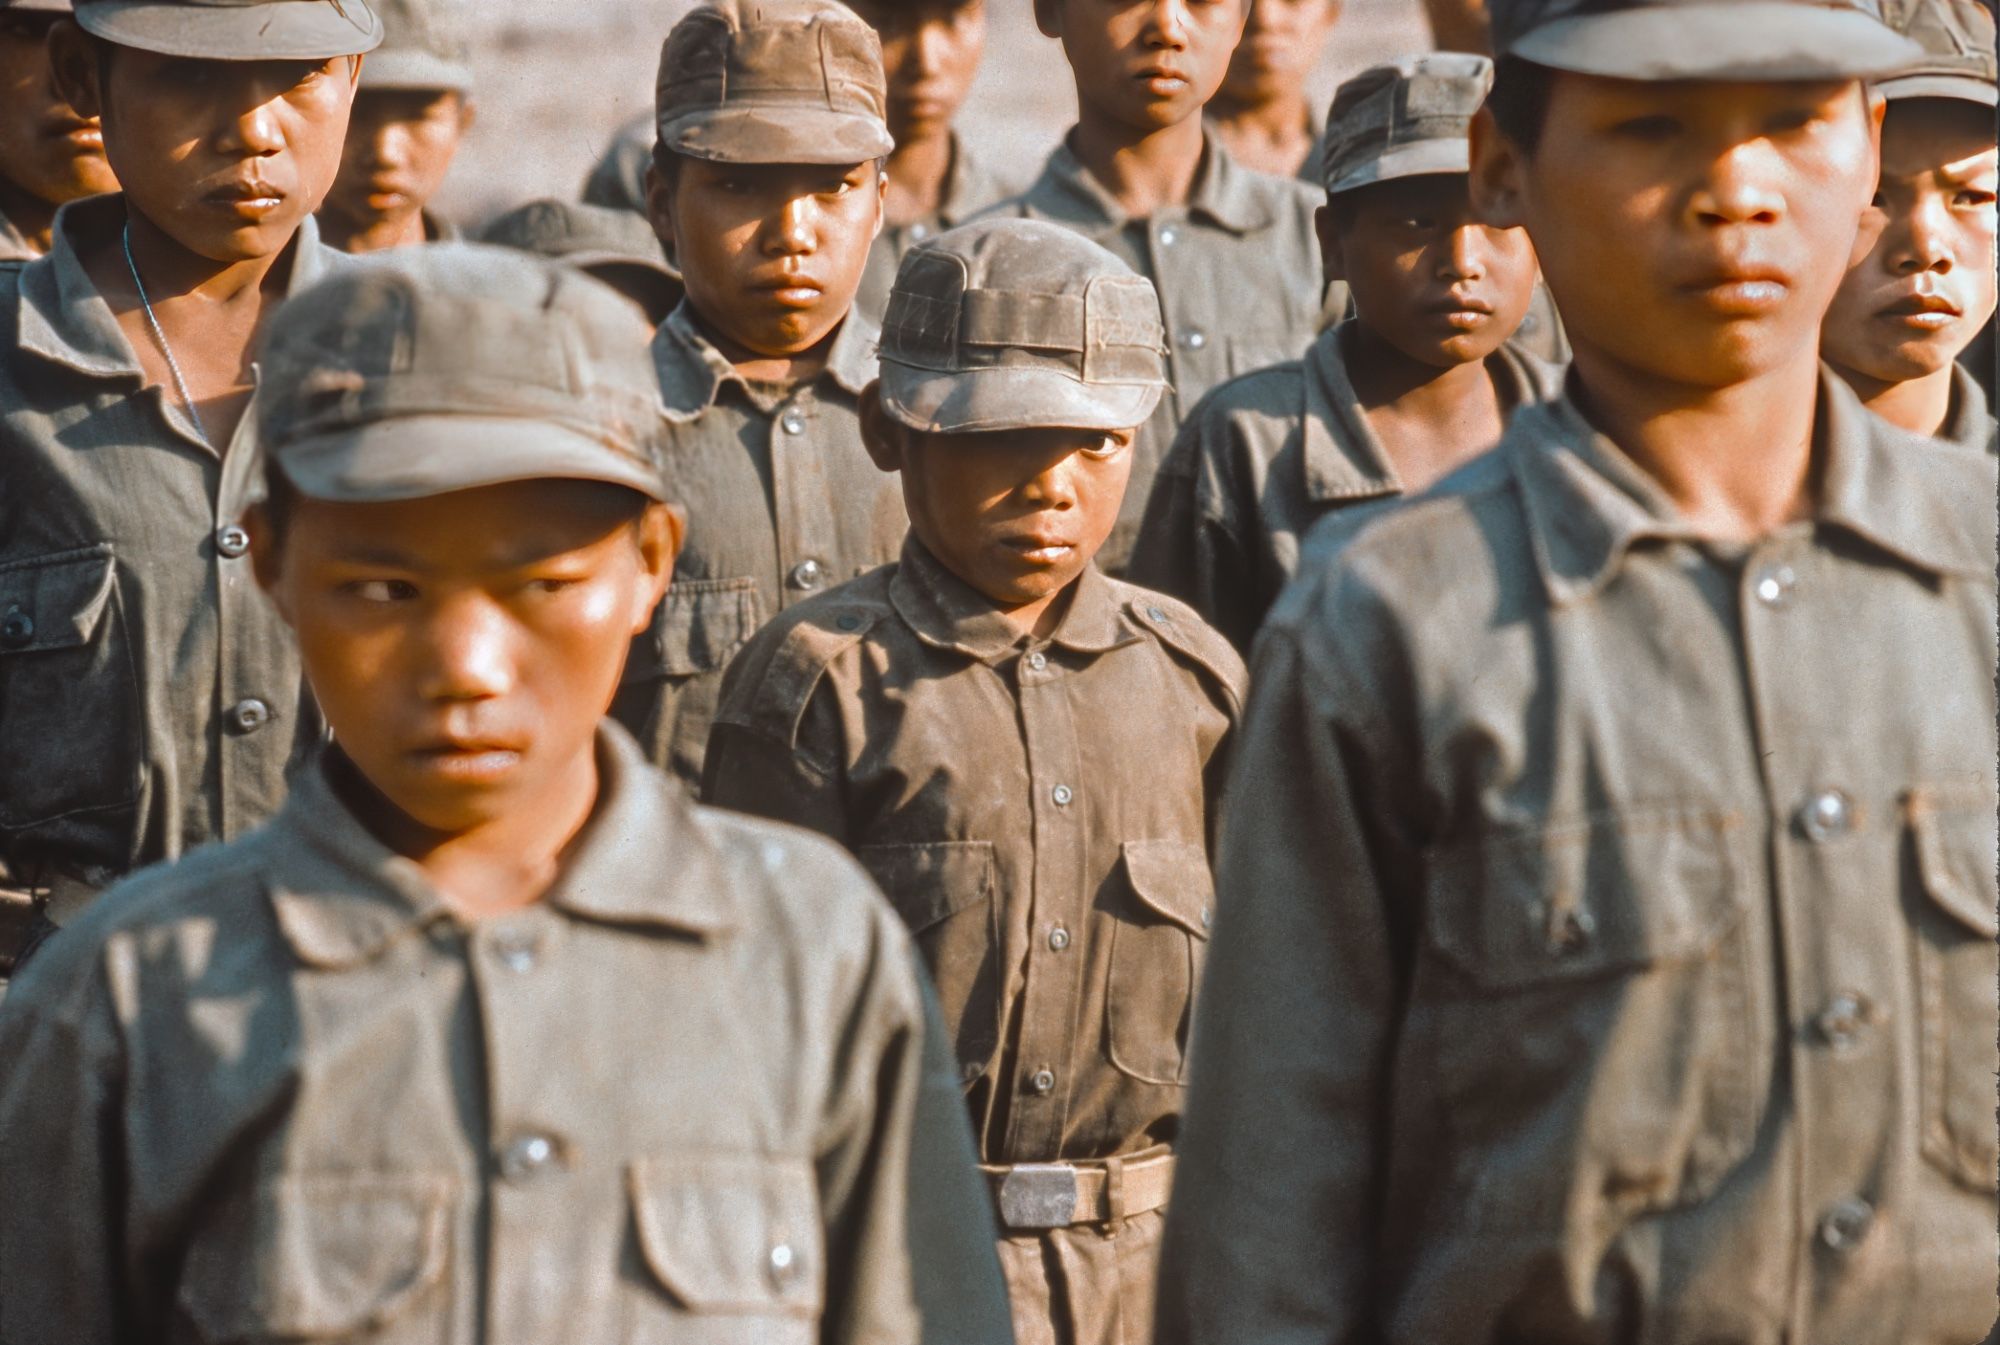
[[1043, 1082], [792, 423], [249, 715], [1062, 794], [526, 1156], [1058, 938], [920, 231], [232, 541], [1194, 340], [784, 1264], [1038, 660], [1156, 615], [1208, 917], [1846, 1223], [1773, 585], [1567, 929], [16, 629], [1843, 1020], [1827, 816], [1169, 236], [807, 575], [516, 951], [848, 622], [970, 1071]]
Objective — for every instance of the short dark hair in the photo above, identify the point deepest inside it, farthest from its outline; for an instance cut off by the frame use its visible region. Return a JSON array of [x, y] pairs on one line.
[[1519, 101]]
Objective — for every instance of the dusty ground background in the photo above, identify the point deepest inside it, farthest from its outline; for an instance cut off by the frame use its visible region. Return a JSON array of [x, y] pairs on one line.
[[557, 77]]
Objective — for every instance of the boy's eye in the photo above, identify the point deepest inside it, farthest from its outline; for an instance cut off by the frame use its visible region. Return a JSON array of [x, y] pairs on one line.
[[1107, 447], [1973, 198], [551, 585], [380, 590], [1648, 128], [1793, 119]]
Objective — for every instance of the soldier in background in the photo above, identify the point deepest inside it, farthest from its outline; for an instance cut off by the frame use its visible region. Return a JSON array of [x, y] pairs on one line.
[[615, 246], [50, 155], [1262, 112]]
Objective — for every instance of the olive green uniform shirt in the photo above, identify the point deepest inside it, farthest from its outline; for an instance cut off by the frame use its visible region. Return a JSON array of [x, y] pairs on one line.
[[1260, 460], [1607, 942], [1238, 273], [281, 1091], [1970, 423], [782, 502], [150, 697], [969, 187]]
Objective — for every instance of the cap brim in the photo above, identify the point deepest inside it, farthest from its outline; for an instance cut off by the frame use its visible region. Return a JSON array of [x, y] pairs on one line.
[[1419, 158], [1966, 88], [414, 70], [377, 462], [1749, 41], [781, 133], [285, 30], [982, 400]]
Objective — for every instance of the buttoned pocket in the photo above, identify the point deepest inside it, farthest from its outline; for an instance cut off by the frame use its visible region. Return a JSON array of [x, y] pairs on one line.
[[734, 1242], [1584, 1012], [1958, 969], [945, 893], [1159, 941], [672, 683], [70, 712], [323, 1257]]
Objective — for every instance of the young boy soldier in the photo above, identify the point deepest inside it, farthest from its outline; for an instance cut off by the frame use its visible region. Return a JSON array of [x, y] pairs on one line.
[[1906, 313], [1261, 113], [1231, 252], [982, 724], [503, 1040], [614, 246], [152, 698], [1420, 380], [1607, 949], [407, 126], [767, 189], [49, 155]]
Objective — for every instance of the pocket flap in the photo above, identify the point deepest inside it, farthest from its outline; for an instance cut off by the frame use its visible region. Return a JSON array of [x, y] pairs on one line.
[[732, 1234], [1172, 879], [1956, 853], [54, 602], [699, 626], [318, 1256], [1525, 906], [928, 883]]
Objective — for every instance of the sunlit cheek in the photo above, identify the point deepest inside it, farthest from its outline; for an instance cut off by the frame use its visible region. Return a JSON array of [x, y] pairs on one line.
[[600, 605]]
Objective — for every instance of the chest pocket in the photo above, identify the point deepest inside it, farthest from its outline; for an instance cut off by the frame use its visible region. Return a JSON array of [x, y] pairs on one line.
[[1158, 945], [324, 1257], [735, 1245], [70, 717], [1958, 969], [947, 895], [1585, 1013], [673, 676]]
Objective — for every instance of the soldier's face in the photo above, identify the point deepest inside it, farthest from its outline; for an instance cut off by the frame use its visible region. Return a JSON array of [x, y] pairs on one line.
[[1925, 290], [1426, 274], [1692, 232], [1281, 43], [463, 648], [1145, 64], [399, 145], [772, 254], [930, 56], [47, 148]]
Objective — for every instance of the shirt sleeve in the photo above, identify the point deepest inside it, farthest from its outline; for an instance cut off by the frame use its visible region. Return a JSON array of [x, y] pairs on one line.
[[1186, 552], [749, 770]]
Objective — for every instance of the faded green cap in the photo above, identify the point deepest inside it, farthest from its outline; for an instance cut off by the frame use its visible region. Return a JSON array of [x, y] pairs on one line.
[[421, 371], [1958, 59], [1752, 40], [1404, 119], [236, 30], [617, 246], [1015, 324], [425, 45], [773, 81]]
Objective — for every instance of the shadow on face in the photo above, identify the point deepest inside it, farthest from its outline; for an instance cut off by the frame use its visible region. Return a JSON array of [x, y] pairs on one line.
[[399, 146], [1144, 64], [47, 149]]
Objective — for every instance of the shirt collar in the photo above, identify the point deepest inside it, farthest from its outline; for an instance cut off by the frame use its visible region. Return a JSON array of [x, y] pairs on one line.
[[692, 371], [342, 897], [1225, 193], [945, 612], [1587, 503], [1970, 423], [13, 243]]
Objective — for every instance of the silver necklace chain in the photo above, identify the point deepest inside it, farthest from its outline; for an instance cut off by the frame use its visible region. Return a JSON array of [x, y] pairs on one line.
[[159, 335]]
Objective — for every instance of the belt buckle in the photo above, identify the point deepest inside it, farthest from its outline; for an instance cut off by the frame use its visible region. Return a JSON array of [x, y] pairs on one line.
[[1038, 1195]]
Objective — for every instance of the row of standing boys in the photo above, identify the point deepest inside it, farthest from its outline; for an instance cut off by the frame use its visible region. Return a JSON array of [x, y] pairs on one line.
[[1576, 924]]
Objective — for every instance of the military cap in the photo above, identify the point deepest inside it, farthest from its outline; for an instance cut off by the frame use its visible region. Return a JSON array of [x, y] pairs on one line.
[[617, 246], [1015, 324], [773, 81], [1404, 119], [421, 371], [236, 30], [1701, 39], [1958, 59], [425, 45]]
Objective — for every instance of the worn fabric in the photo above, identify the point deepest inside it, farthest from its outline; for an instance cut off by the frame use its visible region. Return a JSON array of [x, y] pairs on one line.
[[1238, 273], [1408, 118], [236, 30], [1959, 59], [970, 186], [782, 502], [150, 697], [14, 245], [1261, 459], [1607, 949], [1752, 40], [677, 1100], [1970, 423], [1047, 844]]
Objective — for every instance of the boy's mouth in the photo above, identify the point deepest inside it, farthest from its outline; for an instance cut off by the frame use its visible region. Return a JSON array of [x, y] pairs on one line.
[[1924, 310], [1466, 313], [790, 291], [1163, 81], [1745, 292], [1039, 548], [251, 200]]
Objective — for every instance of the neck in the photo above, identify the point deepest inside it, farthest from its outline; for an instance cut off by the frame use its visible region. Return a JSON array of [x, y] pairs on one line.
[[756, 367], [1384, 376], [33, 217], [1039, 619], [1736, 461], [374, 235], [1919, 405], [1259, 129], [1428, 420], [918, 171], [172, 273], [1143, 172]]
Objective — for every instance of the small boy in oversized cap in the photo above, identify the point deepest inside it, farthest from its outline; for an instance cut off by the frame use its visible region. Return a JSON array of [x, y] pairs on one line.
[[152, 699], [1908, 310], [1421, 379], [1023, 751], [1607, 948], [766, 188], [409, 118], [615, 246], [490, 1035], [49, 154]]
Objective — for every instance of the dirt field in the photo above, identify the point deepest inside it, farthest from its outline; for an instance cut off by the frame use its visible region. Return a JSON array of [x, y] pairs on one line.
[[556, 77]]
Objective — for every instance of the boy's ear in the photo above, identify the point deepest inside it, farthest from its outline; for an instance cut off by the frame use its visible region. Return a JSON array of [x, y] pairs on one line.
[[662, 529], [265, 556], [73, 62], [1332, 261], [1048, 17], [881, 433], [1496, 181], [468, 113], [660, 206]]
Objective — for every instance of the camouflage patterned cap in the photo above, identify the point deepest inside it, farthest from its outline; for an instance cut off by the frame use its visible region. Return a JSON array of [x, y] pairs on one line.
[[1958, 59], [773, 81], [1404, 119], [421, 371], [426, 44], [1771, 40], [236, 30], [1014, 324]]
